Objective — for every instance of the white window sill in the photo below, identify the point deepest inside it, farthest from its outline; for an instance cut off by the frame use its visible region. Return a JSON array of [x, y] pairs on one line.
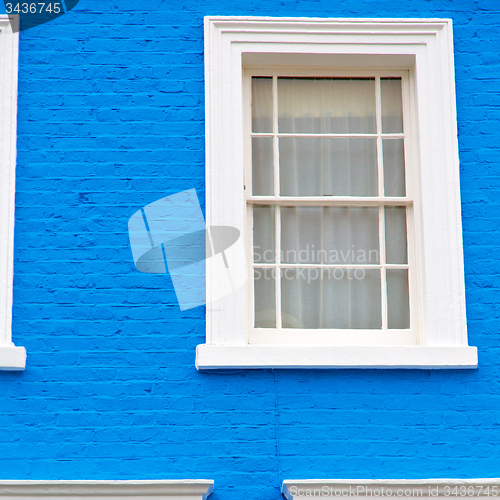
[[185, 489], [216, 357], [12, 358]]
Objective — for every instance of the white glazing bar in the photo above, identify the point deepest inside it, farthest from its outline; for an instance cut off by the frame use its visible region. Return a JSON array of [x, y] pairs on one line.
[[392, 135], [359, 201], [381, 210], [275, 138], [329, 266], [250, 233], [327, 136], [277, 224], [410, 230]]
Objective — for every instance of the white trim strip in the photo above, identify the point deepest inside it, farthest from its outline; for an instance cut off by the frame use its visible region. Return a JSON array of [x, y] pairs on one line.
[[11, 358], [184, 489]]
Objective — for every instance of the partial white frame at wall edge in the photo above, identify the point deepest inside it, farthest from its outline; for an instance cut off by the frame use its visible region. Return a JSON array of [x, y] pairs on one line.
[[425, 48], [309, 489], [174, 489], [11, 357]]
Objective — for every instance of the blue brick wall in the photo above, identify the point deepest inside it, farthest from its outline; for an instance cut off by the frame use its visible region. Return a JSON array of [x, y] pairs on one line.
[[111, 117]]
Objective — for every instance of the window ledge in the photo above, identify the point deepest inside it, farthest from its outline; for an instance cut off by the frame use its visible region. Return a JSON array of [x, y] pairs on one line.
[[216, 357], [12, 358], [188, 489]]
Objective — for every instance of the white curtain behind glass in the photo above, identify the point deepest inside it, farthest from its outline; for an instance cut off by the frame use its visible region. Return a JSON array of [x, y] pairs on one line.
[[325, 166], [335, 167]]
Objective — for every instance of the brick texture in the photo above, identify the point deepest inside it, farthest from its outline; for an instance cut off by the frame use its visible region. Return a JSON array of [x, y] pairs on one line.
[[111, 118]]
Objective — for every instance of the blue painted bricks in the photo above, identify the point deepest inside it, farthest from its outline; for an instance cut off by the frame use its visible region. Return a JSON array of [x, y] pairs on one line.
[[111, 118]]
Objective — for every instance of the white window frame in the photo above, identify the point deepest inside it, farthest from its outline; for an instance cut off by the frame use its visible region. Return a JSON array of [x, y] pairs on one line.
[[11, 357], [424, 47], [168, 489]]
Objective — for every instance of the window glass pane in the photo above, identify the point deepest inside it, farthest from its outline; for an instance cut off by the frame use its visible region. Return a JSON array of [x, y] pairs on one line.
[[264, 297], [328, 167], [331, 298], [394, 167], [329, 235], [263, 233], [326, 105], [262, 166], [398, 306], [395, 235], [262, 104], [392, 107]]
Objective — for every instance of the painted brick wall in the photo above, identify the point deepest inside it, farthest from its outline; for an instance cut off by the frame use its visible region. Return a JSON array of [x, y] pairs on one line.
[[111, 117]]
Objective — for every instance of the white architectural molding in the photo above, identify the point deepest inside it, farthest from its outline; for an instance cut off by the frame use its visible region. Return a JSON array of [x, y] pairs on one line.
[[187, 489], [11, 357], [425, 489], [424, 47], [257, 356]]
